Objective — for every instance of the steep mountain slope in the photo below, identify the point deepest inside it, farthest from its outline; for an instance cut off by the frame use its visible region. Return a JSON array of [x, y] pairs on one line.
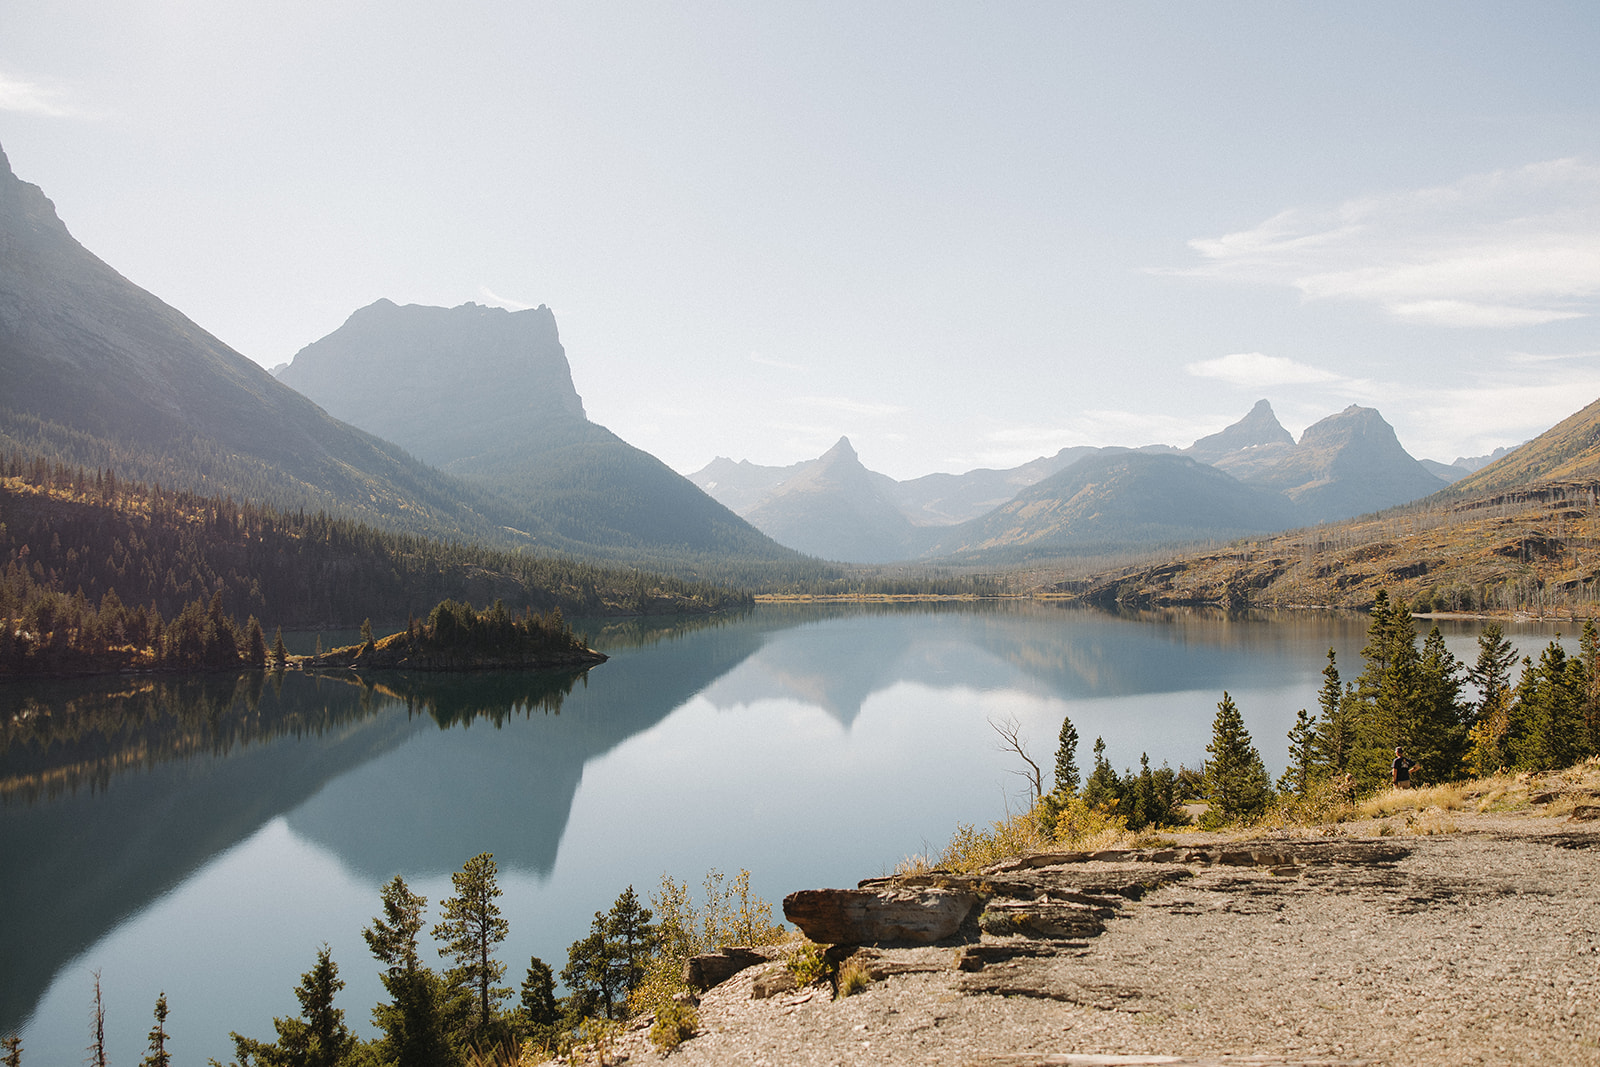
[[1257, 439], [1112, 500], [946, 499], [487, 394], [1568, 451], [835, 508], [98, 371], [1347, 464]]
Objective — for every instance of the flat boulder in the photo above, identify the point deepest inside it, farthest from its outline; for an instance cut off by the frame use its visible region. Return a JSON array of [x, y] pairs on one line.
[[917, 915]]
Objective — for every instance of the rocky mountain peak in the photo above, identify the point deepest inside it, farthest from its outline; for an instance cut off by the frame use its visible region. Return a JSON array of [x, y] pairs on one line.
[[1260, 427], [392, 369]]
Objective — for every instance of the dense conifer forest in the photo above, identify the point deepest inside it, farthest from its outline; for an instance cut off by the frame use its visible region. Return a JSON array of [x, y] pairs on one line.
[[90, 563]]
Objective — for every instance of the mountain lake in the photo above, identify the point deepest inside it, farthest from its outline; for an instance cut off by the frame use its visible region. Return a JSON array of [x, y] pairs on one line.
[[209, 835]]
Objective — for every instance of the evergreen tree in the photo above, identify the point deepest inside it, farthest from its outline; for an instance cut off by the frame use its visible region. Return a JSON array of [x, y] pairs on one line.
[[1336, 727], [589, 975], [414, 1023], [1489, 732], [472, 928], [630, 940], [13, 1046], [1440, 742], [1103, 790], [255, 643], [317, 1038], [158, 1037], [1067, 759], [1303, 749], [1589, 663], [1547, 713], [1237, 784], [1491, 674], [539, 995], [280, 652]]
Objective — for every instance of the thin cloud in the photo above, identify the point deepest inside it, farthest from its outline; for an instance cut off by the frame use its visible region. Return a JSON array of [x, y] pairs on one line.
[[27, 98], [1510, 248], [1255, 370], [494, 299]]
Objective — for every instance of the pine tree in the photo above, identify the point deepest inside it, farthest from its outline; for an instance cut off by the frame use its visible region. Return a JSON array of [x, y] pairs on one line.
[[539, 995], [255, 644], [472, 928], [1067, 759], [1104, 790], [1335, 729], [280, 653], [414, 1023], [588, 974], [1298, 775], [13, 1046], [159, 1056], [630, 939], [1440, 743], [318, 1037], [1237, 784]]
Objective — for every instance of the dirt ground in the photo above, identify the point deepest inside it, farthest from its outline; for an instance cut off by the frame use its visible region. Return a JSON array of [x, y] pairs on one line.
[[1439, 937]]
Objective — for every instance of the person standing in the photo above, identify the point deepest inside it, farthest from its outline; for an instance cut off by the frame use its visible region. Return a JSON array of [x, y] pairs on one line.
[[1400, 770]]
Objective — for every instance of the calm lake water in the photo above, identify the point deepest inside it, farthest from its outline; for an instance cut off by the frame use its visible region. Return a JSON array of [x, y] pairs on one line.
[[213, 834]]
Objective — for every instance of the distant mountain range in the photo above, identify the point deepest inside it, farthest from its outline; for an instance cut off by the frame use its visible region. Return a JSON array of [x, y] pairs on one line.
[[1515, 533], [463, 423], [1251, 477]]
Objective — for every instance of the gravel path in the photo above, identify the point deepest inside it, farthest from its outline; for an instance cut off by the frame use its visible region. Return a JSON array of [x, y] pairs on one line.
[[1479, 946]]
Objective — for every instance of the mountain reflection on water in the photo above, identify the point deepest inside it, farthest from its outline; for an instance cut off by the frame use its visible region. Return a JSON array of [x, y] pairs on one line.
[[814, 744]]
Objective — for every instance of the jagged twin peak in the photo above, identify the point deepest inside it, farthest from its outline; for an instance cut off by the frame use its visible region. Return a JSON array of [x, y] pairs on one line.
[[1346, 464]]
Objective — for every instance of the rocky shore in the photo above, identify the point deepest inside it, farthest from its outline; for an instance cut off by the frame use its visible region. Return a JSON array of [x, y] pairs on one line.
[[1441, 937]]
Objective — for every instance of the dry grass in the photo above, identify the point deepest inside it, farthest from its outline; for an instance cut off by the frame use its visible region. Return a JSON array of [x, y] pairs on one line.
[[1450, 797]]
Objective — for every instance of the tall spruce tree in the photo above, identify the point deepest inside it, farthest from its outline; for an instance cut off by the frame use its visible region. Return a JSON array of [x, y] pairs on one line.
[[1067, 759], [1297, 777], [472, 928], [1237, 783], [416, 1021], [1336, 725], [1440, 741]]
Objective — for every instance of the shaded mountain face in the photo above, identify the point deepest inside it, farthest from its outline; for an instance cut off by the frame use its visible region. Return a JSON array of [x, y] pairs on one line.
[[1568, 451], [488, 395], [97, 371], [372, 370], [835, 508], [1108, 501]]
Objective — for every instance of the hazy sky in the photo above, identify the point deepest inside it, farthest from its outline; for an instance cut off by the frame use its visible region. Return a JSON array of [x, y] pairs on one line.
[[963, 234]]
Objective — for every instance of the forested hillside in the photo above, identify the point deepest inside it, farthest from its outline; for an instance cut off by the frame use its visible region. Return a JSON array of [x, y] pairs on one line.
[[74, 538]]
